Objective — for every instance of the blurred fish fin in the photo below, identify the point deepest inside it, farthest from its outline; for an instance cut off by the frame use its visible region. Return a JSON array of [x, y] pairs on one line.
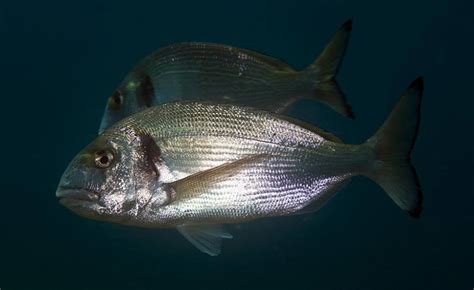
[[323, 71], [201, 182], [324, 198], [207, 238], [393, 143]]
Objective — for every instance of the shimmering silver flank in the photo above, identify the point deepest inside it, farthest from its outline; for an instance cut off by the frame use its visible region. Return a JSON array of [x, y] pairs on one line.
[[194, 137], [226, 74], [191, 165]]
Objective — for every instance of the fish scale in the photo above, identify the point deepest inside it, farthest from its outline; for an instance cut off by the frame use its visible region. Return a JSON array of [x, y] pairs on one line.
[[178, 54], [194, 137], [203, 67]]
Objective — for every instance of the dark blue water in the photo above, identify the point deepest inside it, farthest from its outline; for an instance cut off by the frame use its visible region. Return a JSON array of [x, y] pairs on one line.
[[59, 61]]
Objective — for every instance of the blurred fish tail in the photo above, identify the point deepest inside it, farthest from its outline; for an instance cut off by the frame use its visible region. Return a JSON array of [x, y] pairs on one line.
[[322, 73]]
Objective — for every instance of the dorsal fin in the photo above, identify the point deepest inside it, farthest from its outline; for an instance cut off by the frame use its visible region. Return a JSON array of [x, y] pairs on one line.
[[278, 64], [321, 132], [218, 49]]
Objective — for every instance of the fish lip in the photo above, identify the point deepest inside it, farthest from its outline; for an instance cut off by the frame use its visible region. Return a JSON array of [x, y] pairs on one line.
[[68, 194]]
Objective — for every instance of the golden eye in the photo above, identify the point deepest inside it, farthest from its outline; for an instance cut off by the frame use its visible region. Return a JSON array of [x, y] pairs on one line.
[[103, 158], [116, 100]]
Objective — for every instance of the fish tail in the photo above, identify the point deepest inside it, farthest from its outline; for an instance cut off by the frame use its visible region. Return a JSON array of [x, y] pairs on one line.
[[392, 144], [321, 74]]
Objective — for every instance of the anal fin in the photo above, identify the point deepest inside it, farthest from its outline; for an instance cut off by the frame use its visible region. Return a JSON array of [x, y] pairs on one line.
[[207, 238]]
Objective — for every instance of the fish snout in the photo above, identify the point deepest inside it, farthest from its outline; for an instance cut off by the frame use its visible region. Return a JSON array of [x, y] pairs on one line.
[[74, 180], [80, 201], [76, 194]]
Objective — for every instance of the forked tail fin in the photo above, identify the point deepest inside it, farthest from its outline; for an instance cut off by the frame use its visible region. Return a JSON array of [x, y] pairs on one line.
[[393, 144], [323, 71]]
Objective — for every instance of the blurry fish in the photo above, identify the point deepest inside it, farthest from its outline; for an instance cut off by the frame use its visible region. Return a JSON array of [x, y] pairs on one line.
[[194, 166], [214, 72]]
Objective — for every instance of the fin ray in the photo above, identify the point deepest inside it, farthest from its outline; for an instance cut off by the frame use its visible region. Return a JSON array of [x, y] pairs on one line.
[[393, 144], [323, 71], [206, 238], [198, 183]]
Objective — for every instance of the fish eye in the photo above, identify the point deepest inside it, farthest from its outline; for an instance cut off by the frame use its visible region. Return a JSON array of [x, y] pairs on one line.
[[116, 100], [103, 158]]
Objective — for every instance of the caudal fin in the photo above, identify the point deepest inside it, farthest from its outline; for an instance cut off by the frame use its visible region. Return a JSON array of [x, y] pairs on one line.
[[323, 71], [393, 144]]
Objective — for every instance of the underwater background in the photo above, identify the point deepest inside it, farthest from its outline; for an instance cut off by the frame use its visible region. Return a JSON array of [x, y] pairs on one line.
[[60, 61]]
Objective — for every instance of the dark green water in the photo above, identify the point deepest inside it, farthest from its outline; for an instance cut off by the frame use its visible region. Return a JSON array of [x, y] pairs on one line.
[[59, 61]]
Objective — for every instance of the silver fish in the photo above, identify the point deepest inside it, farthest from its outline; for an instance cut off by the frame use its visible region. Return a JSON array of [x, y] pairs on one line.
[[194, 166], [214, 72]]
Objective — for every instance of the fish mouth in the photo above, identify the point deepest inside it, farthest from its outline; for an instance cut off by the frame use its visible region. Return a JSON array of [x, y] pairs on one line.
[[70, 196]]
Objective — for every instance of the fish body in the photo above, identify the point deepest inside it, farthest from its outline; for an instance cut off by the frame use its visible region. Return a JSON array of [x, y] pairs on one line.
[[226, 74], [285, 167], [196, 165]]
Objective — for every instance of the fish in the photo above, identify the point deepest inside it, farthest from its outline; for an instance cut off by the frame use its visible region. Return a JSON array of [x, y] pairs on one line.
[[226, 74], [196, 166]]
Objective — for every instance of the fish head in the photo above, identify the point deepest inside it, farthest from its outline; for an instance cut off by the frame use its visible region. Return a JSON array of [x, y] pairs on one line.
[[110, 180], [135, 94]]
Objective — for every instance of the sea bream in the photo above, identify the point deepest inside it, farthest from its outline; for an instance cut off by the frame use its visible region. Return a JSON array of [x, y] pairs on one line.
[[195, 166], [225, 74]]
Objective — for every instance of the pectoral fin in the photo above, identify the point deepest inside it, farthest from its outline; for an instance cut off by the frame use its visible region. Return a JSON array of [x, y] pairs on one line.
[[207, 238], [200, 182]]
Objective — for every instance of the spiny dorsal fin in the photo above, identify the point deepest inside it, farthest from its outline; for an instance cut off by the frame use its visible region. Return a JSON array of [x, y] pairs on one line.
[[321, 132], [278, 64], [215, 48]]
